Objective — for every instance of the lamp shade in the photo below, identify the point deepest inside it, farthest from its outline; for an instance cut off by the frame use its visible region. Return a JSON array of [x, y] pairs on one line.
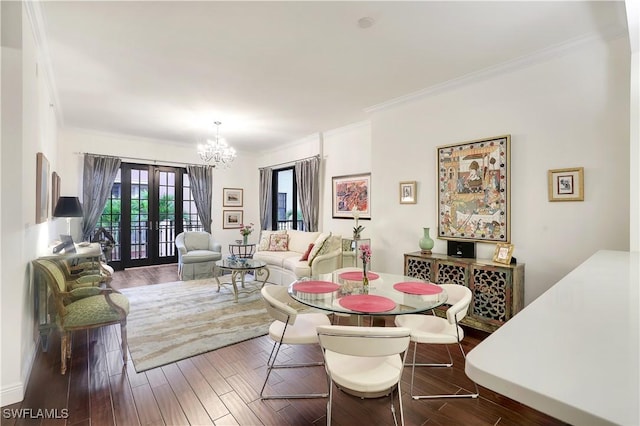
[[68, 207]]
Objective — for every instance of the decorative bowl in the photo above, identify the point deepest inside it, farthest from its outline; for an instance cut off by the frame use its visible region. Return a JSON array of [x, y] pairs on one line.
[[238, 241]]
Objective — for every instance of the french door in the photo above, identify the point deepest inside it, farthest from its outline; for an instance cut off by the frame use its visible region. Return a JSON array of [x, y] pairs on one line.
[[151, 202]]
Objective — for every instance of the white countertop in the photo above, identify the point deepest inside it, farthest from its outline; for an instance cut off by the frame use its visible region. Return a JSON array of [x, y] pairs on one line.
[[573, 353]]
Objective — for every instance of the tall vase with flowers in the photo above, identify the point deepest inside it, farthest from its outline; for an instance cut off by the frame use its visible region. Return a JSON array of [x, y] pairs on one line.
[[246, 230], [365, 255]]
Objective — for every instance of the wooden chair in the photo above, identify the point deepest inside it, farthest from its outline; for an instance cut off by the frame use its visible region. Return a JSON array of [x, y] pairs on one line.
[[82, 308]]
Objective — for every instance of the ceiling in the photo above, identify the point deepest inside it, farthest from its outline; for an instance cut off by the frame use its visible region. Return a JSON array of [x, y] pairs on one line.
[[276, 72]]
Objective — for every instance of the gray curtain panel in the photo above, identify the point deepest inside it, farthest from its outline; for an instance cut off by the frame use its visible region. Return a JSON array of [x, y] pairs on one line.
[[265, 197], [307, 176], [97, 181], [201, 178]]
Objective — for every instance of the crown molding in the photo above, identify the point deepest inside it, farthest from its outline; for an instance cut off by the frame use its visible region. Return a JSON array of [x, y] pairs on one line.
[[348, 128], [38, 29], [503, 68]]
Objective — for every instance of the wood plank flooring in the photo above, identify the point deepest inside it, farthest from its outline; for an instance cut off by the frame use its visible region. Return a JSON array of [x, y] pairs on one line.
[[222, 387]]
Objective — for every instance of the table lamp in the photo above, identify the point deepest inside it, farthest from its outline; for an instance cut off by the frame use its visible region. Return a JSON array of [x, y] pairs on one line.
[[68, 207]]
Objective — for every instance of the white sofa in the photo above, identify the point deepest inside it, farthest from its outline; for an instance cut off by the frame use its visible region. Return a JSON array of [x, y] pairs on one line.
[[286, 266]]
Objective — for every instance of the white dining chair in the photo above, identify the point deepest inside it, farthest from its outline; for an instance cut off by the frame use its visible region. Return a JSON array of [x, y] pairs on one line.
[[292, 328], [431, 329], [364, 360]]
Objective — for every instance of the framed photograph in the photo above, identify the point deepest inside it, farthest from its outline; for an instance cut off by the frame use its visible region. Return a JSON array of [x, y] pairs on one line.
[[231, 219], [42, 188], [408, 192], [473, 190], [55, 191], [349, 192], [503, 253], [232, 197], [566, 184]]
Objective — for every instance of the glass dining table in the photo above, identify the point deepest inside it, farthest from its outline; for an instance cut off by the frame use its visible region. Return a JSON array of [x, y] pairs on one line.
[[342, 292]]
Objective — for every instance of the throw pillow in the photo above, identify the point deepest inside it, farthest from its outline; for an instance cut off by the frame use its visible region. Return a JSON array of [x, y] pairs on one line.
[[326, 247], [265, 238], [279, 242], [317, 246], [305, 256]]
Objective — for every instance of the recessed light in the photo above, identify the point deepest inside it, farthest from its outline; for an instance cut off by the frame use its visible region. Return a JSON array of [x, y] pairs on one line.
[[365, 22]]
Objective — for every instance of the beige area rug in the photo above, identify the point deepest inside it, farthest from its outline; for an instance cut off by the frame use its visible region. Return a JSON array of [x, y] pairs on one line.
[[172, 321]]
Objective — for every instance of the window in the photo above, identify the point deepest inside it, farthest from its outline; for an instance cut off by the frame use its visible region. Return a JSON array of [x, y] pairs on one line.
[[286, 214]]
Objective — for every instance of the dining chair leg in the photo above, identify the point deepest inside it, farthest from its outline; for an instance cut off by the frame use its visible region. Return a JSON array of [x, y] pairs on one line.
[[123, 336]]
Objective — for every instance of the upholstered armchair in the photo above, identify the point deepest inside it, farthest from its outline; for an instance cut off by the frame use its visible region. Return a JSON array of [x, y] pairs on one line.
[[81, 308], [197, 254]]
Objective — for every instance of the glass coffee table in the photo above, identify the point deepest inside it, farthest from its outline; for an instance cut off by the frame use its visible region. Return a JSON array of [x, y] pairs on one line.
[[239, 269]]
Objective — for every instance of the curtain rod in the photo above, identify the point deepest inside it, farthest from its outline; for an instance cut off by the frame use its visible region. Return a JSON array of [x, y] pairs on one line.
[[141, 159], [289, 162]]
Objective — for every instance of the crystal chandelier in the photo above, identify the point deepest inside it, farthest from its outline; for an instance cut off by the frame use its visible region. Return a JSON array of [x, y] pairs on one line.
[[217, 152]]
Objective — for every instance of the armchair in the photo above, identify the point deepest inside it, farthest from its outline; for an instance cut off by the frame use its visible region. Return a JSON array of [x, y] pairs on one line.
[[82, 308], [197, 254]]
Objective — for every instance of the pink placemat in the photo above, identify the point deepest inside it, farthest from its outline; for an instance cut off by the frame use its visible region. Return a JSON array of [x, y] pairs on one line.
[[367, 303], [316, 287], [417, 288], [357, 275]]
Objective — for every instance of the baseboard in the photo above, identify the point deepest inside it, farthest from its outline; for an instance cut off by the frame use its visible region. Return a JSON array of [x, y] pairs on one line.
[[15, 392]]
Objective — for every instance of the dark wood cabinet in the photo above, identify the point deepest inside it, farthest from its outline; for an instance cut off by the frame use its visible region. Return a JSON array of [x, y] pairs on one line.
[[498, 290]]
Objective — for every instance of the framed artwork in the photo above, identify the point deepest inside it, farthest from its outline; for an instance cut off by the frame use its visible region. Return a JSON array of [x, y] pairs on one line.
[[408, 192], [503, 253], [473, 190], [349, 192], [231, 219], [55, 191], [232, 197], [42, 188], [566, 184]]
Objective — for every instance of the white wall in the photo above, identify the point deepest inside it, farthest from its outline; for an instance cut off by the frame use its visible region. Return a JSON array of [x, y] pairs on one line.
[[567, 111], [28, 127], [242, 174]]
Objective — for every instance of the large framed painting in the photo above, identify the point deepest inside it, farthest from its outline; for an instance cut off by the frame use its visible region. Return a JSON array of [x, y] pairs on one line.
[[42, 188], [349, 192], [55, 191], [473, 190]]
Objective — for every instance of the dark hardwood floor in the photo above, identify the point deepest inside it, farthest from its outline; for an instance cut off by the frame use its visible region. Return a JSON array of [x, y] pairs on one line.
[[222, 387]]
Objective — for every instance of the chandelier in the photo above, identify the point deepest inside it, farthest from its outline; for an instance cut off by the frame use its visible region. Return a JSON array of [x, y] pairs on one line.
[[217, 152]]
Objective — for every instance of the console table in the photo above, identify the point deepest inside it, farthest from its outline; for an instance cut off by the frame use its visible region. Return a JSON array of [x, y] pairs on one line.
[[498, 289], [350, 251]]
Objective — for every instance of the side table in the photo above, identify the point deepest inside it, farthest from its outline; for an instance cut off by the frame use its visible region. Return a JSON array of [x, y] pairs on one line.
[[242, 251]]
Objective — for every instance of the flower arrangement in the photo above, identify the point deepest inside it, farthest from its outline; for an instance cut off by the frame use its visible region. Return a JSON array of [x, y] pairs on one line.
[[246, 230], [365, 253], [358, 228]]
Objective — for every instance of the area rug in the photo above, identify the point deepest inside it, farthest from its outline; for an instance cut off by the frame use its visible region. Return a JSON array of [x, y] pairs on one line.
[[173, 321]]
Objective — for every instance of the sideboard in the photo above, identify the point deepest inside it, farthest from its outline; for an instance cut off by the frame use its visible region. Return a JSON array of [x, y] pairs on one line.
[[498, 289]]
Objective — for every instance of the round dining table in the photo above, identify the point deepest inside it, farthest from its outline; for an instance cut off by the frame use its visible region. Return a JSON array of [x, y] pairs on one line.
[[342, 292]]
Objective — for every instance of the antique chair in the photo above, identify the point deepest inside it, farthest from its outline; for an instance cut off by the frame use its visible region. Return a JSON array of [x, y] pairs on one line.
[[364, 361], [197, 254], [434, 330], [86, 273], [290, 328], [81, 308]]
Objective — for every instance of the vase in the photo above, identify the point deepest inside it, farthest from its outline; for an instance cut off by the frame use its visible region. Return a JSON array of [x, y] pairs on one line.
[[245, 239], [426, 243], [365, 279]]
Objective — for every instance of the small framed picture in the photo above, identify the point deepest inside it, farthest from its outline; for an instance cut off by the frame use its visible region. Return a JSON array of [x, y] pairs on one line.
[[232, 197], [566, 184], [408, 192], [503, 253], [231, 219]]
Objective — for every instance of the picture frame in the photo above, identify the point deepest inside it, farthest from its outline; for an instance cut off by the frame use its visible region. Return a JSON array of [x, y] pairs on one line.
[[566, 184], [503, 253], [42, 188], [232, 197], [351, 191], [408, 192], [474, 190], [55, 191], [232, 219]]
